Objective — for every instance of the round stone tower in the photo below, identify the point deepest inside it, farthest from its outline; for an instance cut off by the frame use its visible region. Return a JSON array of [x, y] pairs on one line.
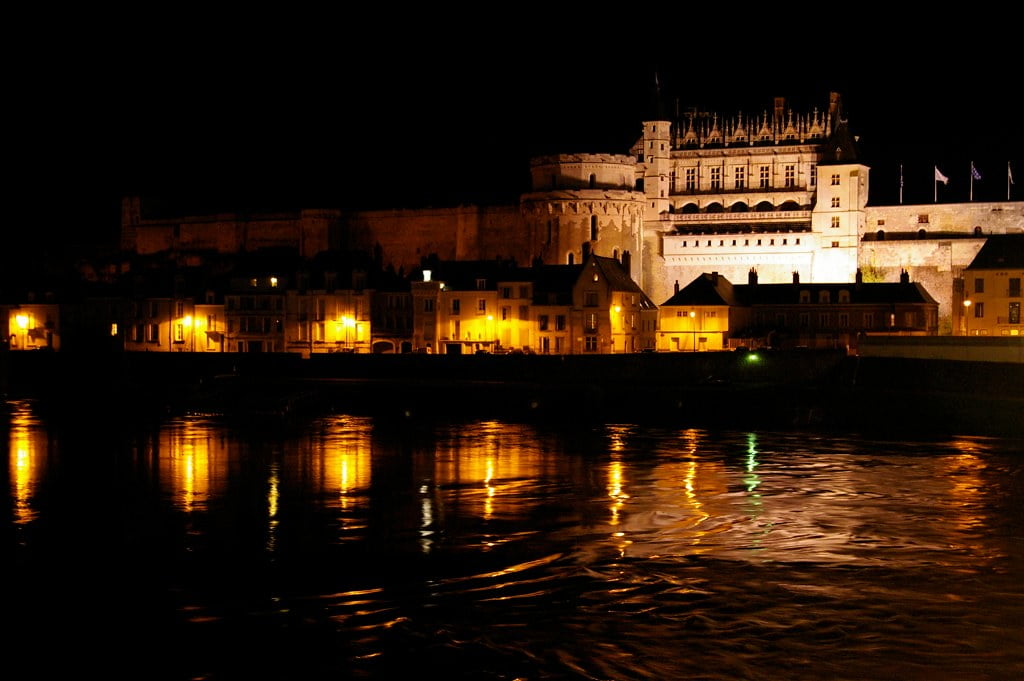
[[581, 204]]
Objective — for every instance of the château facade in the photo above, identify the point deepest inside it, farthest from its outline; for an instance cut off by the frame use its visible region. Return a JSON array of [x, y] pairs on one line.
[[781, 192]]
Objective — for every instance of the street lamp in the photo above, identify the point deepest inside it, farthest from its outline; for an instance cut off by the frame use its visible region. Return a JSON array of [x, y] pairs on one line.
[[967, 319], [693, 328], [348, 323]]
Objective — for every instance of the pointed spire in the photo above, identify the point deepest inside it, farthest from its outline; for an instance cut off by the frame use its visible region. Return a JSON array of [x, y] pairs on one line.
[[657, 106]]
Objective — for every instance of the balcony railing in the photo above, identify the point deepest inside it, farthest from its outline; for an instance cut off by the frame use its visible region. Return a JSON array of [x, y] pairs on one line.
[[749, 216]]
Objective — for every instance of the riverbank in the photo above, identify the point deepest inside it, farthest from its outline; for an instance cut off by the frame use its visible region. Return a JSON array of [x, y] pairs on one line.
[[824, 389]]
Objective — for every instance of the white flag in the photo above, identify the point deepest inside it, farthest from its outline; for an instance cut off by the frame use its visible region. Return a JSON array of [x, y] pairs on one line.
[[939, 177], [1009, 175]]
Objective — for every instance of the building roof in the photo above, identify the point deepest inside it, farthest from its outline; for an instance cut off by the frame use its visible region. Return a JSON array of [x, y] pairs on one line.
[[707, 289], [1000, 251], [864, 293], [618, 277], [462, 275], [714, 289]]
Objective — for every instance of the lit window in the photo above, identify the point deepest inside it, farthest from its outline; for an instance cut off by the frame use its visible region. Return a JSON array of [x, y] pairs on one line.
[[716, 178], [691, 179], [790, 176], [740, 177], [763, 177], [835, 221]]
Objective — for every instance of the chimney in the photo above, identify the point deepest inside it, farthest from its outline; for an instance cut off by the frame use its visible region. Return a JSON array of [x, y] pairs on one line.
[[626, 261], [714, 278], [859, 278], [796, 277], [677, 286], [904, 277], [752, 277]]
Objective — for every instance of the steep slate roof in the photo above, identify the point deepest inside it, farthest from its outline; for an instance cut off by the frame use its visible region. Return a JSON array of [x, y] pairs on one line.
[[461, 275], [707, 289], [841, 146], [711, 289], [874, 293], [1001, 251], [553, 284], [618, 278]]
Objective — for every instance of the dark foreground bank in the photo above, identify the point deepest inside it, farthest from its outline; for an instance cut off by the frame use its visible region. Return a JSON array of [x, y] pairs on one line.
[[733, 389]]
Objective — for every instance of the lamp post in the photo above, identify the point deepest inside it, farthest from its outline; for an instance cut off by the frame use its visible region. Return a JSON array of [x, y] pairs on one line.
[[693, 328], [967, 319]]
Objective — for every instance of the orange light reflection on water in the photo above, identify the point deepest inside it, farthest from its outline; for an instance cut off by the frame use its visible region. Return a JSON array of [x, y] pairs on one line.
[[193, 463], [27, 459]]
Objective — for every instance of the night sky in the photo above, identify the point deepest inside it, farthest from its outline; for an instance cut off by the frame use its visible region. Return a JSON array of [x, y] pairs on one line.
[[277, 113]]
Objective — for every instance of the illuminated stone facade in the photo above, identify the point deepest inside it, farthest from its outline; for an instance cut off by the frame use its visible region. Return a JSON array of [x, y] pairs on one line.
[[581, 204], [783, 193], [780, 192]]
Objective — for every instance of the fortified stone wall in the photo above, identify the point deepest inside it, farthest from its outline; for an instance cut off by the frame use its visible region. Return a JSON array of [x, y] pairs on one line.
[[461, 233], [991, 217], [934, 263]]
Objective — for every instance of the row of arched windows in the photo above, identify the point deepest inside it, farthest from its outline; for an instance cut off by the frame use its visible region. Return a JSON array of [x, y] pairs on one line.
[[738, 207]]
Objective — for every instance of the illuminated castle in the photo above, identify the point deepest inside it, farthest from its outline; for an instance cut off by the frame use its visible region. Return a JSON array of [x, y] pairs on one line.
[[784, 193], [780, 192]]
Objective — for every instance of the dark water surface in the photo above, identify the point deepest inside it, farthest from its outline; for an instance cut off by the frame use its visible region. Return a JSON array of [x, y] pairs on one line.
[[351, 547]]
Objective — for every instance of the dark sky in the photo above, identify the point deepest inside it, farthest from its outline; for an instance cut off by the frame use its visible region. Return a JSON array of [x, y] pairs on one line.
[[258, 113]]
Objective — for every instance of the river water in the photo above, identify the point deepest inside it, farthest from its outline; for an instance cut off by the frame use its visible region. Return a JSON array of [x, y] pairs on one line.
[[365, 548]]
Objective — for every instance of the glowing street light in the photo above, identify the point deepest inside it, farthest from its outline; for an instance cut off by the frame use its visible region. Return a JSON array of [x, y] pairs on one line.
[[693, 328], [967, 318], [22, 321], [348, 323]]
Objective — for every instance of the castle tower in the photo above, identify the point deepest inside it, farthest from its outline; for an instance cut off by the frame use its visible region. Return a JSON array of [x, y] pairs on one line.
[[838, 217], [580, 204]]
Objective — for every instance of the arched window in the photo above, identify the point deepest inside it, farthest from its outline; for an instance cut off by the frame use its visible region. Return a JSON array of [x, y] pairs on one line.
[[593, 228], [570, 259], [593, 180]]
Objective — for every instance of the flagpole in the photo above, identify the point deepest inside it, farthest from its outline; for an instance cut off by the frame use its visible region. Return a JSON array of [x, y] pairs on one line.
[[901, 183], [972, 182]]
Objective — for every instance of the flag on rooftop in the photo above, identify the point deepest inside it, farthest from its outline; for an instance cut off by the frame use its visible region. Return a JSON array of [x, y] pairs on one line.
[[974, 172], [939, 177]]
